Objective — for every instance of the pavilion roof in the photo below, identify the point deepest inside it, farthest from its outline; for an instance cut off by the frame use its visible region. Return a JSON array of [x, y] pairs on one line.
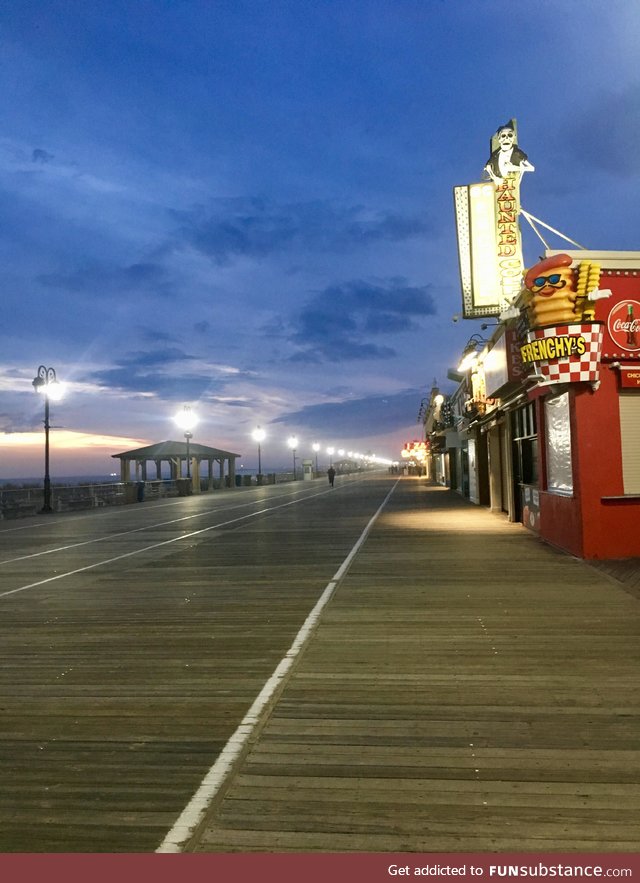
[[166, 449]]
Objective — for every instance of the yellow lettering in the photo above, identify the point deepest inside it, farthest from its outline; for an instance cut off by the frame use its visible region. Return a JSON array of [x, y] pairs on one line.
[[557, 348]]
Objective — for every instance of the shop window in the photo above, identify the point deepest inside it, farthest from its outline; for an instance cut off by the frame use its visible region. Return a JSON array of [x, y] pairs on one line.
[[630, 437], [525, 438], [558, 438]]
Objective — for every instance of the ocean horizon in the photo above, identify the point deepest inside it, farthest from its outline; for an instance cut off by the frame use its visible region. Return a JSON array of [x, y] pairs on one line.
[[61, 479]]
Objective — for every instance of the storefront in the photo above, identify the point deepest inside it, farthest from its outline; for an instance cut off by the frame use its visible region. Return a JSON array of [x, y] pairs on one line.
[[554, 396], [495, 384], [576, 441], [558, 409]]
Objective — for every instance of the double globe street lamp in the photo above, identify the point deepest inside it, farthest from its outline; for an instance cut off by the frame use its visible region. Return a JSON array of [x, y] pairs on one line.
[[46, 383]]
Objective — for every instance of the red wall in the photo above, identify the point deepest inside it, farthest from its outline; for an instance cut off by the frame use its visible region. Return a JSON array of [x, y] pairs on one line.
[[609, 529], [583, 524]]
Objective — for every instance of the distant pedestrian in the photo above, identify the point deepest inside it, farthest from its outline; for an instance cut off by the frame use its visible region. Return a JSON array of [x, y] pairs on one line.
[[331, 472]]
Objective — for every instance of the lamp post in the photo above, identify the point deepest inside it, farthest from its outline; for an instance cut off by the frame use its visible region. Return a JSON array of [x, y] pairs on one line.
[[46, 382], [259, 436], [187, 420], [331, 452], [316, 448], [292, 441]]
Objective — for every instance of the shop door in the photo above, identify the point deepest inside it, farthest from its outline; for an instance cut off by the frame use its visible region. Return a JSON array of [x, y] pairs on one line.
[[525, 462]]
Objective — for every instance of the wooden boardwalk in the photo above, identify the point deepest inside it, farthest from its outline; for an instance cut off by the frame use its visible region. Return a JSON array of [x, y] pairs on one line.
[[121, 681], [468, 689]]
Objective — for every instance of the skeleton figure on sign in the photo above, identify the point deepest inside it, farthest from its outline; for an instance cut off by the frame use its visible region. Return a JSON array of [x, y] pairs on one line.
[[507, 156]]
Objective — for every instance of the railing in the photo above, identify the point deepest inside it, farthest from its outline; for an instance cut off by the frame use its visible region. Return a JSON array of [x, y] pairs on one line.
[[21, 502], [26, 501]]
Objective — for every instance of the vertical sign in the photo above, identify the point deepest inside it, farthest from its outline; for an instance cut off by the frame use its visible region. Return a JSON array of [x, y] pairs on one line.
[[489, 240], [509, 256]]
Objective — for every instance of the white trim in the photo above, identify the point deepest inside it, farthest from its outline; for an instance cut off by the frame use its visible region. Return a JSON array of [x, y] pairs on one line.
[[194, 812], [629, 404]]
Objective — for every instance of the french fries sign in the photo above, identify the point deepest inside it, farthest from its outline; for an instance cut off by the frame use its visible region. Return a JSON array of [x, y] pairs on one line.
[[563, 353]]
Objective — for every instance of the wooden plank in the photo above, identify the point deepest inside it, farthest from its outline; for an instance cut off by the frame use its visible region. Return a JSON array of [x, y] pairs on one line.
[[451, 703], [448, 701]]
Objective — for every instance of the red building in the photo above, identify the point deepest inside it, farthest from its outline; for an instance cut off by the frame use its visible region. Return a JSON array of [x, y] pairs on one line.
[[557, 417]]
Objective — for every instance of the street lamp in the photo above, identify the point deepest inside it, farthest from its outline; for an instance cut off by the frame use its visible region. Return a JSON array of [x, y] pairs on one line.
[[331, 452], [187, 421], [259, 436], [292, 441], [316, 448], [470, 353], [46, 382]]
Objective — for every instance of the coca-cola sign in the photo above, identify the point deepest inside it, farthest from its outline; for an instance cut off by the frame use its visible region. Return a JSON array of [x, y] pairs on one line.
[[623, 326]]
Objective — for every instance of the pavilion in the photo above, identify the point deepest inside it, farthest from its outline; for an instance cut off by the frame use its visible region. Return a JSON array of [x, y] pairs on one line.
[[174, 453]]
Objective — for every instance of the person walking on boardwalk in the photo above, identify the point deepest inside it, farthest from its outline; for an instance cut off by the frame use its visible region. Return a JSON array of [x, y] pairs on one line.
[[331, 472]]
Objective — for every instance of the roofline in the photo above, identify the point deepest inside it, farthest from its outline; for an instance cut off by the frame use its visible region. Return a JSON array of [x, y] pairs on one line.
[[608, 260]]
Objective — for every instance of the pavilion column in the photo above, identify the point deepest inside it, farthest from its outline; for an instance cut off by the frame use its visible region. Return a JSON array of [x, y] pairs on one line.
[[232, 471], [195, 476], [158, 469], [124, 470], [210, 474]]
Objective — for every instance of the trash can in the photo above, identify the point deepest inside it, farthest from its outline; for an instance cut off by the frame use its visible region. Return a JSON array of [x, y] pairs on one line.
[[238, 481], [185, 488], [140, 491]]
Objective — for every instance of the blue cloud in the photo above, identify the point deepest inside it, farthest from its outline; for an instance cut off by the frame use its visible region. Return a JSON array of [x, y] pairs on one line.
[[250, 227], [116, 281], [341, 349], [334, 324], [160, 371], [41, 156], [353, 417]]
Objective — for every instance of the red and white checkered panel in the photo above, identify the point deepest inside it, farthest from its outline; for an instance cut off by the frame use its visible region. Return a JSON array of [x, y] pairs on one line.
[[570, 369]]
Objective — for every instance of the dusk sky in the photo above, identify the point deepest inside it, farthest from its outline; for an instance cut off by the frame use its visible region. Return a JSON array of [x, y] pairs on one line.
[[246, 207]]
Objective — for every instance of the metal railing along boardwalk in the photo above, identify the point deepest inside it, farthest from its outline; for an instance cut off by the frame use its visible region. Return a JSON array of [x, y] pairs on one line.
[[21, 502]]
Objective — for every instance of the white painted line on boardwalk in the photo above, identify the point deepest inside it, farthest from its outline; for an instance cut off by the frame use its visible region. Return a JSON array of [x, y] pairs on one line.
[[152, 526], [184, 536], [195, 810]]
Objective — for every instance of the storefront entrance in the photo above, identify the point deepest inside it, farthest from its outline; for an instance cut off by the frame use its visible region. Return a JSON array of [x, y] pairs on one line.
[[524, 433]]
